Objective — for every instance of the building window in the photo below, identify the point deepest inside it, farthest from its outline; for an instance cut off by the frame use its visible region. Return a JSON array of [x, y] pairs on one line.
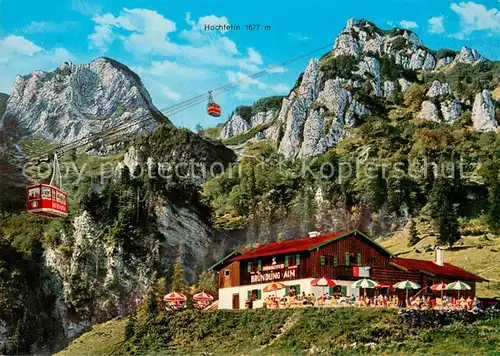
[[249, 267], [255, 293], [323, 260], [292, 290], [259, 265], [359, 259], [297, 259], [226, 272], [347, 258], [335, 261]]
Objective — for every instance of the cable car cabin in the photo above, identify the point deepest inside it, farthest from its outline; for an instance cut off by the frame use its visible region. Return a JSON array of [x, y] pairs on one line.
[[47, 201], [213, 109]]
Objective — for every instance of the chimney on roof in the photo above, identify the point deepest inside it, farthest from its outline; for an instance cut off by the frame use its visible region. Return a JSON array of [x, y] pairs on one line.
[[314, 233], [439, 256]]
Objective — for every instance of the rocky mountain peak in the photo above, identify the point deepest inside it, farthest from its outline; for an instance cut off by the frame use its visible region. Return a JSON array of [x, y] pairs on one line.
[[75, 100]]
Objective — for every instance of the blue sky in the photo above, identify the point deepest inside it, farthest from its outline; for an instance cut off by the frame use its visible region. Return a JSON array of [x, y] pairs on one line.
[[165, 43]]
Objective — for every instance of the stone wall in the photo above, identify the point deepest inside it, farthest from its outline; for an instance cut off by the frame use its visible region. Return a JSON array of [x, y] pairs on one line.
[[435, 318]]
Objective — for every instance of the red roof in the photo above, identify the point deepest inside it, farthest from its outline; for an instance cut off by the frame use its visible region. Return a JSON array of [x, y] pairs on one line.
[[446, 270], [289, 246]]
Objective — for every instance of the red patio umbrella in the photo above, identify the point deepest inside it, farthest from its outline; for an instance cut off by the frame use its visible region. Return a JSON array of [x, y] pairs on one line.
[[204, 297], [274, 286], [439, 287], [323, 282], [174, 297]]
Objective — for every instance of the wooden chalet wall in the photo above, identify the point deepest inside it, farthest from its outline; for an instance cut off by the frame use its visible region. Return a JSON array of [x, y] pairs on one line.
[[371, 256], [330, 261], [231, 280]]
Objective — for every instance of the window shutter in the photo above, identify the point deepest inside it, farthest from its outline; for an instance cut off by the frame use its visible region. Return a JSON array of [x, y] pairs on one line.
[[259, 267], [359, 259], [249, 267], [335, 261], [347, 257], [287, 290], [259, 294], [330, 290], [297, 289], [344, 291], [249, 294], [297, 259], [286, 261], [322, 260]]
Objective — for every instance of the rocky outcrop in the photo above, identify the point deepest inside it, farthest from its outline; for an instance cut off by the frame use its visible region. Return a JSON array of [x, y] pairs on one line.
[[451, 110], [404, 84], [324, 128], [483, 112], [468, 55], [238, 125], [77, 100], [429, 111], [370, 65], [389, 88], [3, 103], [437, 89], [93, 267], [235, 126], [404, 46], [444, 61], [295, 117]]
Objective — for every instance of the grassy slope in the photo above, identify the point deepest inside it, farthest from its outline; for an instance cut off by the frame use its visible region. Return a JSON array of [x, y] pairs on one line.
[[477, 254], [285, 332], [103, 339]]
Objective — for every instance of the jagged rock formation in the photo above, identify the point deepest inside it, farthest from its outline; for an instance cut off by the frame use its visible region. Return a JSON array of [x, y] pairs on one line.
[[3, 102], [237, 125], [483, 112], [76, 100], [437, 89], [468, 55], [317, 113], [445, 110]]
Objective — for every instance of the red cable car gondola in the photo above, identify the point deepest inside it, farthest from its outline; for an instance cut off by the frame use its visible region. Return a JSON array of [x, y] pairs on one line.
[[213, 109], [48, 200]]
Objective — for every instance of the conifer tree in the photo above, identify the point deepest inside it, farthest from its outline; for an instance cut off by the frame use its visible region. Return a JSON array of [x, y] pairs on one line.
[[207, 282], [443, 213], [414, 238], [493, 216], [178, 283]]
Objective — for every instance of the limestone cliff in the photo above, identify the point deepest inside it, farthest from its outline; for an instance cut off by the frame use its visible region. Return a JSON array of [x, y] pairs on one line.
[[76, 100]]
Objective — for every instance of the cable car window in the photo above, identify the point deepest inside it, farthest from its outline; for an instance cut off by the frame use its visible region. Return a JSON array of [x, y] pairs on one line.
[[34, 193], [46, 193], [53, 194]]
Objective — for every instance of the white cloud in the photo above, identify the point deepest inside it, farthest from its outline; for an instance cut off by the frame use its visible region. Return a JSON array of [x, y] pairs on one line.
[[277, 69], [44, 26], [408, 24], [145, 33], [13, 45], [298, 36], [85, 7], [281, 89], [167, 68], [149, 31], [246, 82], [101, 38], [436, 24], [170, 94], [19, 55], [240, 95], [476, 17]]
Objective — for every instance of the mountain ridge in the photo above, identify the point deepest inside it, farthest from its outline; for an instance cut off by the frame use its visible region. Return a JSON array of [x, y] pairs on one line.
[[369, 66], [74, 101]]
